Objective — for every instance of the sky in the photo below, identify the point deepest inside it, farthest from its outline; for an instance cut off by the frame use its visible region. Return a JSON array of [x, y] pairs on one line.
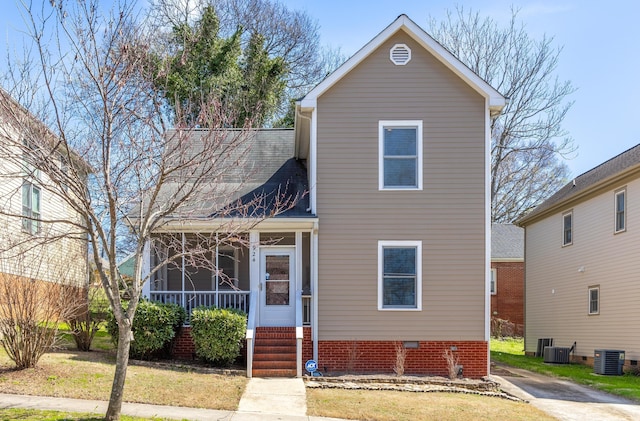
[[600, 55]]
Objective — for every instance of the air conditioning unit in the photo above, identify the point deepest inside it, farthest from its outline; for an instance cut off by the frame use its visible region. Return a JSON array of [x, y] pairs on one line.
[[608, 362], [556, 355]]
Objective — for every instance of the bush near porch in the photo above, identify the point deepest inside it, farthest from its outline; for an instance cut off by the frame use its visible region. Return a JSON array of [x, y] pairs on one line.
[[218, 333], [154, 326]]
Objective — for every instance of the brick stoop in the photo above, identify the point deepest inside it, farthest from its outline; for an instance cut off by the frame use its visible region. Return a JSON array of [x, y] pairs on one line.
[[274, 352]]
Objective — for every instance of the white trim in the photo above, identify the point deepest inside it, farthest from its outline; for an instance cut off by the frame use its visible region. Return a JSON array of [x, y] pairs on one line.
[[314, 290], [146, 267], [382, 124], [418, 246], [507, 259], [207, 224], [593, 288], [487, 227], [495, 101], [313, 162]]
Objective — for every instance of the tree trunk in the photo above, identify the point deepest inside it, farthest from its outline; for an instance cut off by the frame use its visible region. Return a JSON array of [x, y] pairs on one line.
[[122, 361]]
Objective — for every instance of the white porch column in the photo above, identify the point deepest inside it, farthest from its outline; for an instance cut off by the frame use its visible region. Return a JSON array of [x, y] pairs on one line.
[[254, 260], [314, 289]]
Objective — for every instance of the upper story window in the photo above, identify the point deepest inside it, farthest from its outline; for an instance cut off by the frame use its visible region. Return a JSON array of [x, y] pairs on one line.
[[621, 206], [494, 281], [399, 275], [567, 228], [400, 155], [29, 152], [30, 208], [594, 300]]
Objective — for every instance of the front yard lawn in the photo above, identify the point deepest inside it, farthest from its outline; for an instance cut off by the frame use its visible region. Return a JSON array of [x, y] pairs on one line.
[[382, 405], [88, 375]]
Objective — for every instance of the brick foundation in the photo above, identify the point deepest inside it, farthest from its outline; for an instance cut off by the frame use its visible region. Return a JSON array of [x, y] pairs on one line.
[[380, 356], [183, 347]]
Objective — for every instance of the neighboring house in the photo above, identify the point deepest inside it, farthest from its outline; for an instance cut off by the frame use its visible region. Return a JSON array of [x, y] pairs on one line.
[[391, 245], [582, 265], [507, 279], [32, 246]]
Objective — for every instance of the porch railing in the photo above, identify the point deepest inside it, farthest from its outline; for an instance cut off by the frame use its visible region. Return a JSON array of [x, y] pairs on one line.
[[192, 299]]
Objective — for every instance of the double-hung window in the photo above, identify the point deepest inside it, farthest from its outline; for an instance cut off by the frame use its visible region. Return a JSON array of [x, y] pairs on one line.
[[30, 208], [620, 203], [399, 275], [594, 300], [400, 155], [567, 229]]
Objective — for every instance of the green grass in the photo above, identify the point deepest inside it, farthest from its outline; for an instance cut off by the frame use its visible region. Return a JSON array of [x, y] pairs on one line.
[[511, 352], [39, 415]]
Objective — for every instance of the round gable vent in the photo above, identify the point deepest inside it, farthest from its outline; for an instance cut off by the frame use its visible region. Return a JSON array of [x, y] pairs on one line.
[[400, 54]]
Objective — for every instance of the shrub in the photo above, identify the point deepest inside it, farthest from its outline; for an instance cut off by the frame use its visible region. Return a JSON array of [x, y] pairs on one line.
[[87, 321], [501, 328], [154, 326], [218, 333]]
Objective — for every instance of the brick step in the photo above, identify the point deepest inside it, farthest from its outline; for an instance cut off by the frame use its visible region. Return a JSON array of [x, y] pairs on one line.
[[274, 342], [274, 373], [262, 349], [274, 365], [261, 356]]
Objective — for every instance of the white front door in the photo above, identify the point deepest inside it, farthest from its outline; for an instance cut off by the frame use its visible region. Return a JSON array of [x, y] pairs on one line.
[[277, 285]]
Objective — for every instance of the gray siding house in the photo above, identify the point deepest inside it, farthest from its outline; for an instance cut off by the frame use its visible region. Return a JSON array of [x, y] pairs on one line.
[[391, 245], [582, 266]]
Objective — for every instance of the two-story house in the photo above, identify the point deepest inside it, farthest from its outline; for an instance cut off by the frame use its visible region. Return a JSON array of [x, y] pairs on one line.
[[391, 245], [507, 280], [35, 242], [582, 263]]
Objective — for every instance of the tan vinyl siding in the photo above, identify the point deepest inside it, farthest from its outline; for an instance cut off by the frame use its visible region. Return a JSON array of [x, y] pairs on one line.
[[557, 291], [448, 215]]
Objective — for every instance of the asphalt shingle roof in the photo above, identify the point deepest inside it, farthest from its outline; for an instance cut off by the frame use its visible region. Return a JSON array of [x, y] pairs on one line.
[[618, 165], [507, 241]]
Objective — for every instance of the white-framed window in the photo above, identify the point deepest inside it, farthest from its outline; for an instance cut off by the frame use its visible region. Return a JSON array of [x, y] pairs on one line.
[[620, 209], [494, 281], [567, 228], [400, 154], [594, 300], [400, 275], [30, 208]]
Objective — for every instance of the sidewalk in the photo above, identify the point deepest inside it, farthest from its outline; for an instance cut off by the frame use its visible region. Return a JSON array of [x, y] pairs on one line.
[[264, 399]]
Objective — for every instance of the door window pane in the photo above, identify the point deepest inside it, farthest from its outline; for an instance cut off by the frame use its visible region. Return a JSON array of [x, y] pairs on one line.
[[277, 280]]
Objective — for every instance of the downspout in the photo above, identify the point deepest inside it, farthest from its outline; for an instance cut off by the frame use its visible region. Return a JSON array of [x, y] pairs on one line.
[[314, 291]]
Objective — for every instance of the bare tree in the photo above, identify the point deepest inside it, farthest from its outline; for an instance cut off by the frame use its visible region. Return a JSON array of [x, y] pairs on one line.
[[128, 175], [528, 142]]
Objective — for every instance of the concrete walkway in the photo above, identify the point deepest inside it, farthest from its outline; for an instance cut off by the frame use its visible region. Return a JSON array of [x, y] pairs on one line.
[[264, 399], [566, 400]]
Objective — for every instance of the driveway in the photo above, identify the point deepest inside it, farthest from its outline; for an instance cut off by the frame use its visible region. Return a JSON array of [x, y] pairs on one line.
[[565, 400]]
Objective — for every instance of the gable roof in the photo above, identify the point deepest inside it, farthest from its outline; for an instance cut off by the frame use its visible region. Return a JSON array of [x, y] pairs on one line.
[[507, 242], [495, 100], [603, 176]]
